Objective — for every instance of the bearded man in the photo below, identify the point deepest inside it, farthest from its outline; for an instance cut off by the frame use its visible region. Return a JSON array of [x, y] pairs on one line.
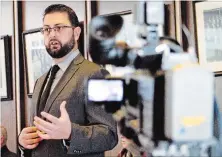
[[63, 124]]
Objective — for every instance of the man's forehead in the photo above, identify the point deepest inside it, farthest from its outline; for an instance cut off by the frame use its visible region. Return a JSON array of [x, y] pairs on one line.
[[56, 18]]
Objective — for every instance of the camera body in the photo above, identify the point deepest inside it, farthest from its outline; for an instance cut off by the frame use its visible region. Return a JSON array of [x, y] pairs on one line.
[[165, 102], [169, 107], [162, 104]]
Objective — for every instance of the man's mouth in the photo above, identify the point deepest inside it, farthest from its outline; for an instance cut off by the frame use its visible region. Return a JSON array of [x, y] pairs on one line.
[[54, 45]]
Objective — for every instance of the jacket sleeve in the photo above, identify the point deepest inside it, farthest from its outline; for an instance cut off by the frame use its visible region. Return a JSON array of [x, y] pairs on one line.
[[100, 133]]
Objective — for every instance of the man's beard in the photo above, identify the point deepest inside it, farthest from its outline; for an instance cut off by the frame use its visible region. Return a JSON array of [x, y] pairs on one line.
[[64, 50]]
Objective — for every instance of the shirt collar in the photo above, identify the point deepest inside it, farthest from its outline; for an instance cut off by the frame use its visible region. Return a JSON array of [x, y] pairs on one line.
[[68, 59]]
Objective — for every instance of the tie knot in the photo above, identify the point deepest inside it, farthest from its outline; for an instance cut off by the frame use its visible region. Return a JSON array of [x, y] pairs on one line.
[[55, 69]]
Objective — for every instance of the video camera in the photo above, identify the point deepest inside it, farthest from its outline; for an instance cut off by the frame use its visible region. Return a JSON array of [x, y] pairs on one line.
[[165, 104]]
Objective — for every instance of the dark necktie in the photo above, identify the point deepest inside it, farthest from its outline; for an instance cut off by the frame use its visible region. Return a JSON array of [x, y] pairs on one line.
[[46, 92]]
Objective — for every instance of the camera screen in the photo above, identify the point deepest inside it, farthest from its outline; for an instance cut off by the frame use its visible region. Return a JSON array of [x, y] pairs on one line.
[[105, 90]]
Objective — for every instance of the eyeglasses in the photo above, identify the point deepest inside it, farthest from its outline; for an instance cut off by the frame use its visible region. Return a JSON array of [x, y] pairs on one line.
[[58, 29]]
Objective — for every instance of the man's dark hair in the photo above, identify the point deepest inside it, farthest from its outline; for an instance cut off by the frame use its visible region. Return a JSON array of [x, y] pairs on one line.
[[62, 8]]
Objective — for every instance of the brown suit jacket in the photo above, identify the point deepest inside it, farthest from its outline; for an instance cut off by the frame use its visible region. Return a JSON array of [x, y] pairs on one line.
[[93, 130]]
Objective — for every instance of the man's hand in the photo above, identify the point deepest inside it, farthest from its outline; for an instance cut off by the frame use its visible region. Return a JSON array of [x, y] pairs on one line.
[[28, 138], [57, 128]]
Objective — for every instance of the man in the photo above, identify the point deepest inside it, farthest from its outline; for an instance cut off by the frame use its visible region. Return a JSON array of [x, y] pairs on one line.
[[5, 152], [68, 126]]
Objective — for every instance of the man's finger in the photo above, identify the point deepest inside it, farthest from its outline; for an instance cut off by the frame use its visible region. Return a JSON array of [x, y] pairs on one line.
[[50, 117], [63, 111], [31, 135], [44, 123], [33, 141], [43, 136], [30, 129], [40, 127]]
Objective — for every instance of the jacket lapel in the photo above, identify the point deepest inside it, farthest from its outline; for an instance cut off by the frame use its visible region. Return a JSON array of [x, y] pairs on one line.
[[38, 92], [68, 74]]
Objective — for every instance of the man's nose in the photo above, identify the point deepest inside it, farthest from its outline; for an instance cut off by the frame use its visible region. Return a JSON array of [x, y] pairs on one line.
[[52, 32]]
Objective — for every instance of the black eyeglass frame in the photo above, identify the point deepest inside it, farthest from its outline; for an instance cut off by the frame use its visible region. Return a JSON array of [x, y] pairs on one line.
[[55, 28]]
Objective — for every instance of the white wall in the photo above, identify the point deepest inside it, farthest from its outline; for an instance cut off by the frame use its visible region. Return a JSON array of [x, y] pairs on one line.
[[6, 18]]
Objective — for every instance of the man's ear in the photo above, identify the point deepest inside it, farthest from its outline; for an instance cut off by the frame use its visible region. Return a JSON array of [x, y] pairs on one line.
[[77, 32]]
